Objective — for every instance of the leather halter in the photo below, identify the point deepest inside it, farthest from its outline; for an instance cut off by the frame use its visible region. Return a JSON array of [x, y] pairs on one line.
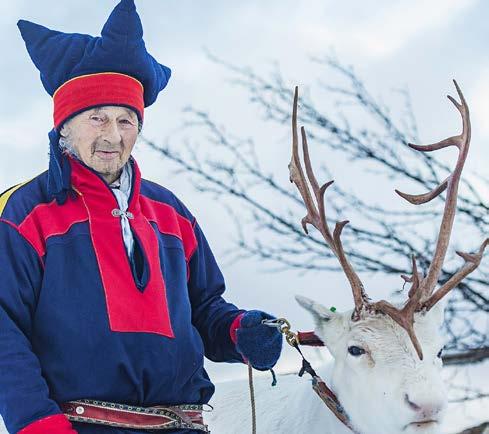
[[318, 384]]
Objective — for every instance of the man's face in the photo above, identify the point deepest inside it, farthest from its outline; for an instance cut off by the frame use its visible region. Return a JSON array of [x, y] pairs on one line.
[[103, 138]]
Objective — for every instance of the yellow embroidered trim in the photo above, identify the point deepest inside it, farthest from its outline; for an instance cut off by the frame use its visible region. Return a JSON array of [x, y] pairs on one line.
[[6, 196]]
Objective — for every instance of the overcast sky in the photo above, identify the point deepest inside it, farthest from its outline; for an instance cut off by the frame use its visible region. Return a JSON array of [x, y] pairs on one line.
[[418, 44]]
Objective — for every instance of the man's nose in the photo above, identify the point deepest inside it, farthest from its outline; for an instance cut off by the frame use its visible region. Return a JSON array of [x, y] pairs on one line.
[[111, 133]]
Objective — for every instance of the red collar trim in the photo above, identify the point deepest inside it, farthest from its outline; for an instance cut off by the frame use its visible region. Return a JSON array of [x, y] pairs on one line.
[[148, 312], [87, 182]]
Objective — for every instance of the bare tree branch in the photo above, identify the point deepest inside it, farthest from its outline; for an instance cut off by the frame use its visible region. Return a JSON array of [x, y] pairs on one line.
[[380, 238]]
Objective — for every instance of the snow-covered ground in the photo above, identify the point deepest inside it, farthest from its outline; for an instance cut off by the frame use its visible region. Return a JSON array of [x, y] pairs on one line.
[[458, 416]]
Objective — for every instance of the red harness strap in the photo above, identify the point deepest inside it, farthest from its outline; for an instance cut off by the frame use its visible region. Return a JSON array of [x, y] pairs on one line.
[[309, 339], [186, 416]]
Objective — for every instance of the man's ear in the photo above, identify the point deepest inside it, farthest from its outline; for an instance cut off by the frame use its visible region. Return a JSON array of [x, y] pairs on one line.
[[64, 131]]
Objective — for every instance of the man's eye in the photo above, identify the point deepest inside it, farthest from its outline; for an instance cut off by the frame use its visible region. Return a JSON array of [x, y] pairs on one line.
[[356, 351], [440, 353], [96, 118]]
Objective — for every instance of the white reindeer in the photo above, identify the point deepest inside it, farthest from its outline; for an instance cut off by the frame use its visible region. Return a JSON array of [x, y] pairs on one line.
[[387, 363], [387, 390]]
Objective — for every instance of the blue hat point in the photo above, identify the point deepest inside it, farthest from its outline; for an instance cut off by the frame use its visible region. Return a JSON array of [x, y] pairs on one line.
[[51, 52], [127, 5], [60, 57], [120, 48], [123, 22]]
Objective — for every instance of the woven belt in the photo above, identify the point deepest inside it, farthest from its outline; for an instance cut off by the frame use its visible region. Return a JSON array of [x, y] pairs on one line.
[[186, 416]]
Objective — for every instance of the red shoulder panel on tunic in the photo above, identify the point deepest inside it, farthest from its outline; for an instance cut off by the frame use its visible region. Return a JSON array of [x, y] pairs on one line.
[[50, 219], [170, 222]]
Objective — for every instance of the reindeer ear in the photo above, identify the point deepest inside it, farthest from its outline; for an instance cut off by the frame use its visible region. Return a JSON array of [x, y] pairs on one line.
[[318, 311], [330, 326]]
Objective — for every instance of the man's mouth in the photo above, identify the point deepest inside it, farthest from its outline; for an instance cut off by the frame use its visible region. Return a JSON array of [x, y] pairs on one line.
[[106, 155]]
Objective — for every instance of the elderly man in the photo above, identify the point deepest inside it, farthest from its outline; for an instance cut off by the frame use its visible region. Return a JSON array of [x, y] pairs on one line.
[[110, 294]]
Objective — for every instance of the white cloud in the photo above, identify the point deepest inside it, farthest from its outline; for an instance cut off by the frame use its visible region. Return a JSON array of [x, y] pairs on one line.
[[480, 102], [9, 12], [479, 109], [28, 127], [380, 30]]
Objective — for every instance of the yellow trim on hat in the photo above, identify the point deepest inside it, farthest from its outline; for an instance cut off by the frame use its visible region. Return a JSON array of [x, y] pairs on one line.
[[98, 73]]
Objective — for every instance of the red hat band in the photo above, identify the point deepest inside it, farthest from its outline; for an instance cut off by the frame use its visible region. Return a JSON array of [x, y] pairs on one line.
[[95, 90]]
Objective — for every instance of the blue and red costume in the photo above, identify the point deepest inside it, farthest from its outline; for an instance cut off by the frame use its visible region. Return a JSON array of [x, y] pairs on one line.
[[80, 318]]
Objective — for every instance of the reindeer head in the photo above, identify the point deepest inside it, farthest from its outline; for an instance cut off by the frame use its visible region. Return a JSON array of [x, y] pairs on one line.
[[377, 375], [387, 370]]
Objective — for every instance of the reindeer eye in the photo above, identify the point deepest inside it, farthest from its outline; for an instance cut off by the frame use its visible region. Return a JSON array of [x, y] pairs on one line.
[[356, 351], [440, 353]]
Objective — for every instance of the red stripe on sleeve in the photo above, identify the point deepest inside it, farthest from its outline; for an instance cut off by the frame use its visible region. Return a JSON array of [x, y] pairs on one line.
[[55, 424], [235, 325]]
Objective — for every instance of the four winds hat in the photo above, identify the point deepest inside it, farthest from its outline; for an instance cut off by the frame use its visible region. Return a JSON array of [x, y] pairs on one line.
[[82, 72]]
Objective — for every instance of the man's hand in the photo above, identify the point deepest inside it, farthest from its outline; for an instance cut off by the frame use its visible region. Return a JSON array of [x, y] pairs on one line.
[[259, 344]]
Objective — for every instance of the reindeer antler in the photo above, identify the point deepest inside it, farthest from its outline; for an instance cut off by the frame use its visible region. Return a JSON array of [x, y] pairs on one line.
[[420, 294], [472, 261], [316, 215]]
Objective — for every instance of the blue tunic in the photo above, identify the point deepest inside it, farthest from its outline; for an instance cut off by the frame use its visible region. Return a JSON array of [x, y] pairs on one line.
[[79, 318]]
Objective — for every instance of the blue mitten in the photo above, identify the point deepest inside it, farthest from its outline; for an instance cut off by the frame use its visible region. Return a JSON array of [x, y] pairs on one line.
[[258, 343]]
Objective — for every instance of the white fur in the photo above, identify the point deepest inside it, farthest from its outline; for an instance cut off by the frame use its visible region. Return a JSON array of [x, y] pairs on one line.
[[374, 388]]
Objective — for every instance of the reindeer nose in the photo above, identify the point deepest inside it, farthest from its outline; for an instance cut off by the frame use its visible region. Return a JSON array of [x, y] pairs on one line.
[[425, 406]]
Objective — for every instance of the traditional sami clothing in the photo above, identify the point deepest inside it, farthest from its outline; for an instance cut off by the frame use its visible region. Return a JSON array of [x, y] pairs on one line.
[[80, 319], [105, 295]]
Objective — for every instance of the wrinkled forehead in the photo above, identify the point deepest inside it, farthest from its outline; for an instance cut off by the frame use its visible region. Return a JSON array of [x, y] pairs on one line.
[[106, 111], [111, 110]]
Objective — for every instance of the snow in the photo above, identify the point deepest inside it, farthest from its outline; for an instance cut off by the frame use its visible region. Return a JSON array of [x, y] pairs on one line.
[[458, 416]]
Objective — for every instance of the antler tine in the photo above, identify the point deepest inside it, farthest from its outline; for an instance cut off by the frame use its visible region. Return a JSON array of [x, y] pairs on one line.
[[316, 216], [296, 174], [321, 223], [359, 296], [418, 199], [472, 261], [450, 184], [415, 277], [405, 316]]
